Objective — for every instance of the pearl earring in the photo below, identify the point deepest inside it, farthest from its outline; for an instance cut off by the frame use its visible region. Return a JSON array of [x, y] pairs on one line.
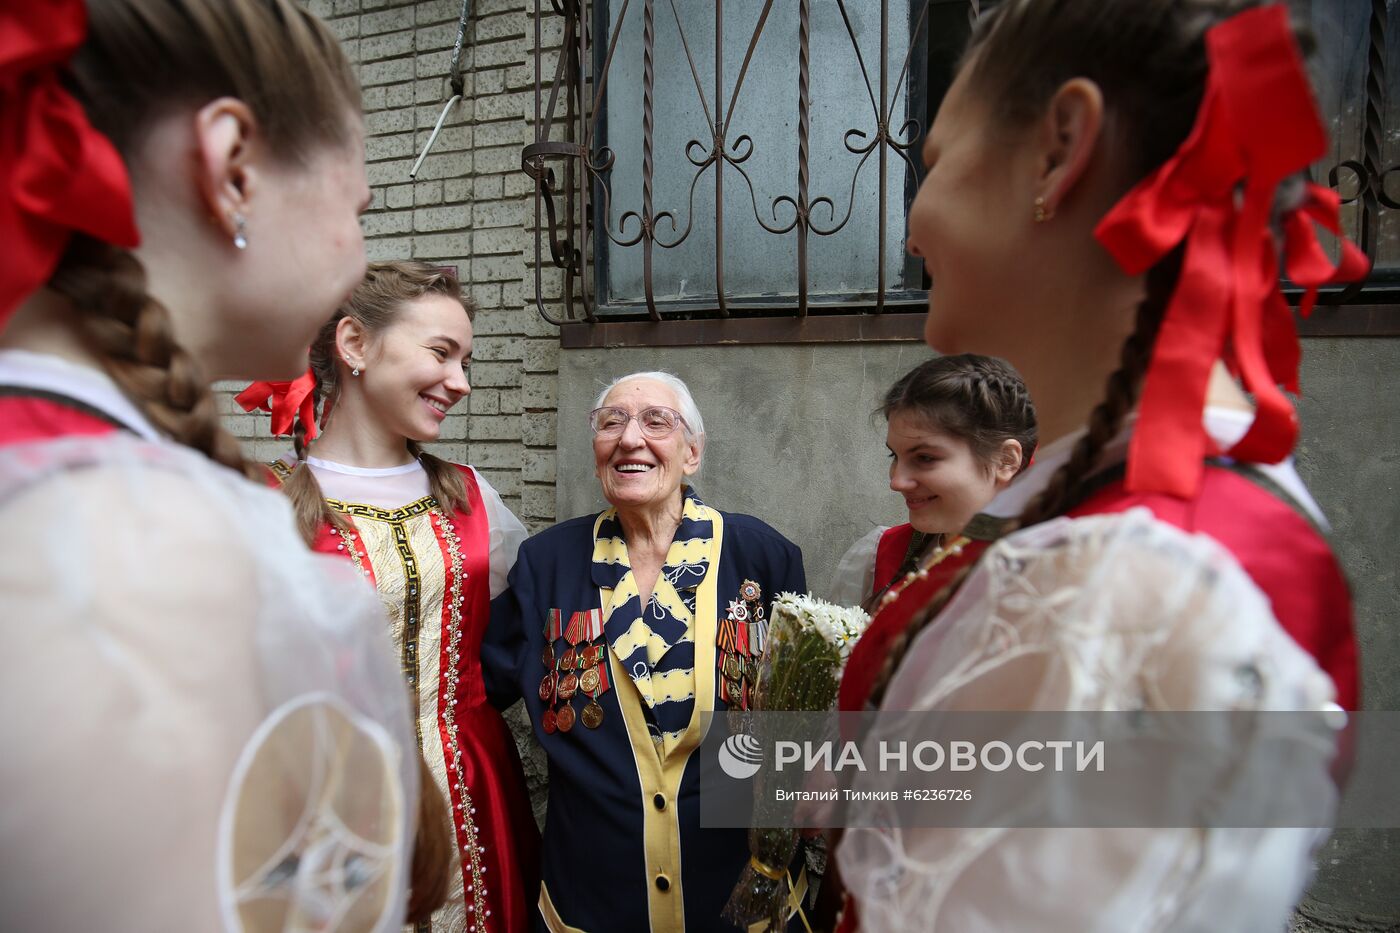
[[1042, 213], [240, 232]]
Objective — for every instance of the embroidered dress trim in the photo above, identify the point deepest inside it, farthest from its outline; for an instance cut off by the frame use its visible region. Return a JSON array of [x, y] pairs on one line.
[[463, 809]]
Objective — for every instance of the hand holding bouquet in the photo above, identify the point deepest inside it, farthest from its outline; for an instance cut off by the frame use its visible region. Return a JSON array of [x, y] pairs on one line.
[[809, 642]]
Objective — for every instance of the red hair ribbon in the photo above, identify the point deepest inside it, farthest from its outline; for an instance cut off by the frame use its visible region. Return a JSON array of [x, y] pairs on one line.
[[287, 401], [1257, 125], [57, 173]]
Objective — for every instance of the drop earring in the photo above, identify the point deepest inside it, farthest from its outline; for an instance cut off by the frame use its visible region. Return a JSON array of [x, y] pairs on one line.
[[240, 232], [1042, 213]]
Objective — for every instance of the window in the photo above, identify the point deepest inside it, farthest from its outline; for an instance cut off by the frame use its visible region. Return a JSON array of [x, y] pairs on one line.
[[742, 160]]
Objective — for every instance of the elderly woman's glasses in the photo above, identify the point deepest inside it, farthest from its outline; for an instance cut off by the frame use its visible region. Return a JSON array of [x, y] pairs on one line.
[[656, 422]]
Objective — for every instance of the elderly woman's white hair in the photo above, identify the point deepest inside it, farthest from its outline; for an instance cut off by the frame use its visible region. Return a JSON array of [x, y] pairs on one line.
[[694, 424]]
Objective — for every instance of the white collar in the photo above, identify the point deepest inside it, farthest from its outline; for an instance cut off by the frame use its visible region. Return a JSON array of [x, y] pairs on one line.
[[48, 373], [1225, 425], [413, 466]]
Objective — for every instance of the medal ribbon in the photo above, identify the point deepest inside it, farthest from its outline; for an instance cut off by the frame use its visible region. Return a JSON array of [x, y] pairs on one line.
[[1257, 125]]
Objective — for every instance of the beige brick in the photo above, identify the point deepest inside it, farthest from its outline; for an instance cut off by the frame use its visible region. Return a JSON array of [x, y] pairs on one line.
[[510, 404], [387, 223], [542, 355], [427, 193], [382, 148], [501, 107], [496, 375], [497, 455], [442, 246], [397, 196], [433, 219], [498, 349], [387, 45], [456, 189], [537, 466], [538, 392], [386, 72], [344, 7], [484, 401], [372, 24], [495, 428], [389, 173], [399, 95], [444, 165], [488, 189], [501, 241], [497, 213], [346, 27], [510, 25], [537, 429], [487, 296], [450, 139], [537, 502], [388, 248], [438, 11], [505, 482], [398, 120]]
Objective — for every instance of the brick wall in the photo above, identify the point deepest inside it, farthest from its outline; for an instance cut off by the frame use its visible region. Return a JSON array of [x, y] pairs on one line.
[[470, 207]]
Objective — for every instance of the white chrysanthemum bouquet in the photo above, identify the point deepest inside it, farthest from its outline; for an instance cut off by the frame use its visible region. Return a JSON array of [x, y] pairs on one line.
[[809, 642]]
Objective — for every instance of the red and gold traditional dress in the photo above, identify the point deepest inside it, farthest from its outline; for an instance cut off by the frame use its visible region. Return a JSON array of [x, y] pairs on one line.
[[436, 572]]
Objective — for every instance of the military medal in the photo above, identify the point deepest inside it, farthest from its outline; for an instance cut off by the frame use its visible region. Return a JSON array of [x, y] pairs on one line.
[[588, 681], [547, 656], [568, 686], [569, 660], [742, 634], [564, 719], [547, 721], [547, 687], [593, 714]]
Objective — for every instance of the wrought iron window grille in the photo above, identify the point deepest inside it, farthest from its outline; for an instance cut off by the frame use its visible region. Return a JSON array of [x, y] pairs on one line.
[[571, 163]]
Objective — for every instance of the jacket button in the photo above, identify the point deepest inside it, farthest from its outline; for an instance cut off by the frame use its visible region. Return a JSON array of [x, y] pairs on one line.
[[659, 801], [663, 884]]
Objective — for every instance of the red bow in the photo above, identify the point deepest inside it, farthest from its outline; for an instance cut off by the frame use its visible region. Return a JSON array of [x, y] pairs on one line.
[[57, 173], [288, 402], [1257, 125]]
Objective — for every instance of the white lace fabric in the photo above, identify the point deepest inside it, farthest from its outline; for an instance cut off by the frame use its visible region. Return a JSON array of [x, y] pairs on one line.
[[205, 727], [1103, 613]]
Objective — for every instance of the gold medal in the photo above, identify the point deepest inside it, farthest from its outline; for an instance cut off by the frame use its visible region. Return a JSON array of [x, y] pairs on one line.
[[735, 692], [593, 714], [564, 719], [731, 667], [589, 680], [567, 662], [547, 687]]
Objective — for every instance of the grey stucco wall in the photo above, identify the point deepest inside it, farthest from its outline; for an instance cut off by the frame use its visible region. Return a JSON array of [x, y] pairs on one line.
[[791, 440]]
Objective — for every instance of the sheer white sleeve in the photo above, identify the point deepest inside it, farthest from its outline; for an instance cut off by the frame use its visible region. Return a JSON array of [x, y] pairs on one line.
[[507, 534], [205, 726], [853, 580], [1117, 612]]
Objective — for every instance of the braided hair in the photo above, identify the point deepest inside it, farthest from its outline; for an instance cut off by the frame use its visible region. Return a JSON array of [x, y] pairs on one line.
[[1149, 59], [140, 58], [386, 288]]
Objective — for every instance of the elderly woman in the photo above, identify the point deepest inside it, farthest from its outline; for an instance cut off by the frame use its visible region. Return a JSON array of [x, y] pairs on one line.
[[620, 630]]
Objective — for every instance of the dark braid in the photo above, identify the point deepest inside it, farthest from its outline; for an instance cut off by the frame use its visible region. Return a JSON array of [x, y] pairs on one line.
[[130, 334], [1065, 488]]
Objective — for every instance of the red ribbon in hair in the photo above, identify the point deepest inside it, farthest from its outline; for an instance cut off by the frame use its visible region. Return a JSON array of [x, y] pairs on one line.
[[57, 173], [287, 401], [1257, 126]]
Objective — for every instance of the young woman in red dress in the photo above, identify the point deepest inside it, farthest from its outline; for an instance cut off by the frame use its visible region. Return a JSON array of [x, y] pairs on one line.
[[960, 429], [435, 540], [1112, 187], [189, 690]]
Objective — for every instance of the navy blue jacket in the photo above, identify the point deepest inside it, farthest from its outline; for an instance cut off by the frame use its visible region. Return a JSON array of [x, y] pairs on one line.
[[623, 849]]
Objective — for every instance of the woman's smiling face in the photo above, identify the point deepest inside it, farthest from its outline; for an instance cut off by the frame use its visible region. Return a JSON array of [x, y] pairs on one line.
[[637, 471]]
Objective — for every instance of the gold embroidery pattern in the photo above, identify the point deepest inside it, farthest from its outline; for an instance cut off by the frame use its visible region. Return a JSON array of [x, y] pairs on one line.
[[466, 826], [466, 830]]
